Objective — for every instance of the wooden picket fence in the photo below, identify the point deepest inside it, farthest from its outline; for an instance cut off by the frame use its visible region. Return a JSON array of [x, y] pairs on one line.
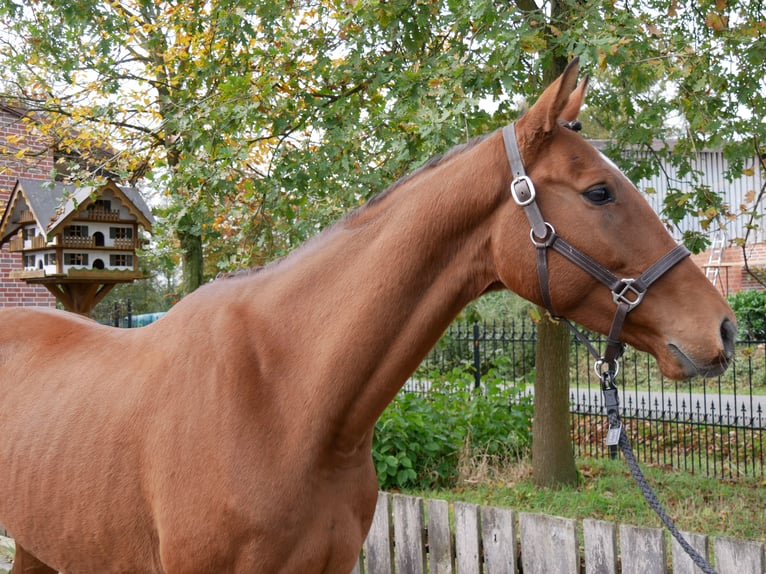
[[413, 536]]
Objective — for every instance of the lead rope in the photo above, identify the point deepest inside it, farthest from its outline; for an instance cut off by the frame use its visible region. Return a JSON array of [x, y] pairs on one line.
[[617, 435], [627, 294]]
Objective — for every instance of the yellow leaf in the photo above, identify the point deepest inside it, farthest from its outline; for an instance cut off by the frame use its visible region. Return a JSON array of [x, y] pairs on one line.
[[717, 22]]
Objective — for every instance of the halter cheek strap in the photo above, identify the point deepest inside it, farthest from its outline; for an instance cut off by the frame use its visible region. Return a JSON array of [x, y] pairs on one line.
[[627, 293]]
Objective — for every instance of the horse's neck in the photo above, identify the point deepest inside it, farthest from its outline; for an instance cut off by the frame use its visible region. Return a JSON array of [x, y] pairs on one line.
[[364, 302]]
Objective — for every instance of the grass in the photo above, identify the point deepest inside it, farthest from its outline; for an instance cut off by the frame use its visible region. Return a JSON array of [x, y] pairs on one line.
[[607, 492]]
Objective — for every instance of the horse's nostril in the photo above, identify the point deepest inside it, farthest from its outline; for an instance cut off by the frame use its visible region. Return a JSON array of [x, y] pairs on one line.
[[728, 335]]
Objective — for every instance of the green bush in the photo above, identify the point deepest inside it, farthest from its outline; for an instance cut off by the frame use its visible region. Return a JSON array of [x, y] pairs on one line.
[[419, 438], [750, 309]]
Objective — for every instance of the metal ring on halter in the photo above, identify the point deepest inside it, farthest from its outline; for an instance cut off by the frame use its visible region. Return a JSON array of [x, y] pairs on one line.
[[546, 241], [612, 369]]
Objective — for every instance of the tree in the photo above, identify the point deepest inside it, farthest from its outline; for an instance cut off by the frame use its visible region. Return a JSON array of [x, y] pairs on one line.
[[174, 88], [698, 63], [258, 124], [552, 452]]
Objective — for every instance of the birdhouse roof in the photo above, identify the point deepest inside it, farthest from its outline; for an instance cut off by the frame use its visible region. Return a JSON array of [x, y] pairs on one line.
[[53, 204]]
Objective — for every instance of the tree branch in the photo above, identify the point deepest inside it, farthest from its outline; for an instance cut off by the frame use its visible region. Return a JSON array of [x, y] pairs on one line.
[[750, 224]]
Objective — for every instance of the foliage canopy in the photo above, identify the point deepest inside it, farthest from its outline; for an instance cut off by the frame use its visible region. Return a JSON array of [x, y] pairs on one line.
[[258, 123]]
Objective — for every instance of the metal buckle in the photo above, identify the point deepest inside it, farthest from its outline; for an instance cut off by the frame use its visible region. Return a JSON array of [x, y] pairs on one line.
[[628, 294], [547, 241], [522, 199]]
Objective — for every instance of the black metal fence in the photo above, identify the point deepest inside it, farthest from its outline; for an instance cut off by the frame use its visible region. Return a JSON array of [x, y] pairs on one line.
[[120, 313], [713, 426]]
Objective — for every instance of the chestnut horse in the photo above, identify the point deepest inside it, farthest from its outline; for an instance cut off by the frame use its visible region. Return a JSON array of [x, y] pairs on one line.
[[234, 435]]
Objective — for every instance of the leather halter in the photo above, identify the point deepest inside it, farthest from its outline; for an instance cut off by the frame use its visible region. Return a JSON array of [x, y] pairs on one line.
[[626, 293]]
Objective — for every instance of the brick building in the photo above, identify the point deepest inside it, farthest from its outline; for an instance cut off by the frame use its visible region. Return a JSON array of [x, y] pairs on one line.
[[732, 275], [37, 163]]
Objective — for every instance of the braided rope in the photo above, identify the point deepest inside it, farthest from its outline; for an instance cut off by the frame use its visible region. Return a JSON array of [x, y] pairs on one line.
[[655, 505]]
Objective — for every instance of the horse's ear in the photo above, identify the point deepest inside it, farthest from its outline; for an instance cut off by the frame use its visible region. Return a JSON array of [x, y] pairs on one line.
[[543, 117], [576, 98]]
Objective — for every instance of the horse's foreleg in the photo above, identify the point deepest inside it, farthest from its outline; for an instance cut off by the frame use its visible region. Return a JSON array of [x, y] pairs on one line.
[[25, 563]]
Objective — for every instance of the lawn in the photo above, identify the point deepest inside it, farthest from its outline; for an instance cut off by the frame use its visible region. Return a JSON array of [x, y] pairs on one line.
[[607, 492]]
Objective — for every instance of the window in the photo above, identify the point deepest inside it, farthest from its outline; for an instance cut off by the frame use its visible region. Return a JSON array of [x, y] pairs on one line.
[[29, 233], [50, 258], [29, 261], [75, 258], [121, 260], [121, 232], [101, 205], [76, 231]]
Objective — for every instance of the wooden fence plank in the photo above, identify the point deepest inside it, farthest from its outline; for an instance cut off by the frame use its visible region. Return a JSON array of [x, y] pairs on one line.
[[642, 550], [498, 535], [467, 555], [440, 554], [378, 548], [682, 562], [548, 545], [600, 540], [734, 556], [409, 534]]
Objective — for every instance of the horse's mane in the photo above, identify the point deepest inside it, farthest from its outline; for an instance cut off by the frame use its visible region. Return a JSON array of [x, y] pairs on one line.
[[351, 217]]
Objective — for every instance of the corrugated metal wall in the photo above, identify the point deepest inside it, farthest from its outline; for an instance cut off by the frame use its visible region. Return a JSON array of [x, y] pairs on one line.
[[713, 168]]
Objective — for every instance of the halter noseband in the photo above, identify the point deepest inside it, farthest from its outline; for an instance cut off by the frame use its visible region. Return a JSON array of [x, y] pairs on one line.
[[626, 293]]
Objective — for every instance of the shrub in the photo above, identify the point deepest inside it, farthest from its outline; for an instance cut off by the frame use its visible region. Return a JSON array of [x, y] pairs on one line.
[[419, 438], [750, 309]]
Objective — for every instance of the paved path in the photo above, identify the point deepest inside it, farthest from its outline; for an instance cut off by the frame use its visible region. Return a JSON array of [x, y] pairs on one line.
[[726, 409]]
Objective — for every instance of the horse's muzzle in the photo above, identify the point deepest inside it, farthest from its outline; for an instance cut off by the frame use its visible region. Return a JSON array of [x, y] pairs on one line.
[[696, 366]]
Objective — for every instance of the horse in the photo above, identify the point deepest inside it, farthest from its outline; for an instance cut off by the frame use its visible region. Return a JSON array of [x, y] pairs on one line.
[[234, 434]]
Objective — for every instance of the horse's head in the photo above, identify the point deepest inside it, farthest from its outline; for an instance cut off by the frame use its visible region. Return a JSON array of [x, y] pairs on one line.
[[682, 320]]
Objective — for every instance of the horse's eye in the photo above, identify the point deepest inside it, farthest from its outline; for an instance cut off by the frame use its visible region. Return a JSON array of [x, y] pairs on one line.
[[599, 195]]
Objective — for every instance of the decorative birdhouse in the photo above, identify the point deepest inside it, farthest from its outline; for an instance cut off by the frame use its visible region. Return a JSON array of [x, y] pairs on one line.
[[78, 242]]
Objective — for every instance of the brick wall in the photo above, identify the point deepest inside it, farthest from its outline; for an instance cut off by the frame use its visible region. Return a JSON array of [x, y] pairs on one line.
[[38, 165]]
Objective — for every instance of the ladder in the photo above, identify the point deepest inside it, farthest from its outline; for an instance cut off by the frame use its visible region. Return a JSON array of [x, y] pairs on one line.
[[713, 269]]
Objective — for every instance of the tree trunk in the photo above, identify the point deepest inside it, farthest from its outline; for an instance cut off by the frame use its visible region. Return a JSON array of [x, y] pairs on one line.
[[191, 249], [552, 452]]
